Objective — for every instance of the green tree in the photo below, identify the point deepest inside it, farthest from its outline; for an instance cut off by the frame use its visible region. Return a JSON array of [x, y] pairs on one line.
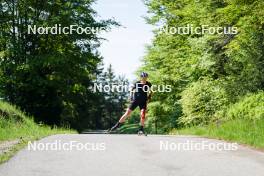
[[235, 60], [48, 75]]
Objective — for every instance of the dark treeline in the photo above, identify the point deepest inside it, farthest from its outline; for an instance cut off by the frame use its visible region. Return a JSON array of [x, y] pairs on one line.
[[49, 76]]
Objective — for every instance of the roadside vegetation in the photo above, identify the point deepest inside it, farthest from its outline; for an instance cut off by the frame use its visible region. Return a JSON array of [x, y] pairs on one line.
[[240, 130], [242, 122], [16, 126], [217, 79]]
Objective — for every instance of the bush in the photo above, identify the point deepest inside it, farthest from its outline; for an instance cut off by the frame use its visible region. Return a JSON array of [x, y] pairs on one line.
[[249, 107], [156, 117], [201, 100]]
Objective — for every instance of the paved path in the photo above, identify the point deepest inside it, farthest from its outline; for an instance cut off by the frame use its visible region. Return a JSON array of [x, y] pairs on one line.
[[131, 155]]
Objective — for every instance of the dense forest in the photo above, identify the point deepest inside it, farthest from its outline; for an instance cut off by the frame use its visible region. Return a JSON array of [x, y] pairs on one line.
[[49, 76], [215, 77]]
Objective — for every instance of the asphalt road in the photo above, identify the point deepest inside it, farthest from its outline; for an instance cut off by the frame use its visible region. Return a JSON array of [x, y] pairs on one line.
[[132, 155]]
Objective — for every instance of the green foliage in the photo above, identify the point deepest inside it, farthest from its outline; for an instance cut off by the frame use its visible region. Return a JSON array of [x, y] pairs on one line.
[[9, 112], [201, 100], [249, 107], [49, 76], [243, 131], [207, 72], [155, 116], [113, 103], [134, 117], [161, 117], [15, 124]]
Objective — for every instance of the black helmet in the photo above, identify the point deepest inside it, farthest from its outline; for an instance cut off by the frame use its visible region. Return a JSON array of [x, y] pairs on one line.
[[143, 75]]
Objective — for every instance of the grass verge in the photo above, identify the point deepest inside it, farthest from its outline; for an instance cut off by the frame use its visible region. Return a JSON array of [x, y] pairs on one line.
[[249, 132], [15, 125]]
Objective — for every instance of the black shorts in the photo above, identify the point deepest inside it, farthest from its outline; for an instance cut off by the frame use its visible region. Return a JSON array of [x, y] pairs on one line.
[[141, 104]]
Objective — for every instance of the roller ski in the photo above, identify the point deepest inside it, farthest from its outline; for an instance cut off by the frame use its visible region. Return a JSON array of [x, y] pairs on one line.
[[114, 128], [142, 132]]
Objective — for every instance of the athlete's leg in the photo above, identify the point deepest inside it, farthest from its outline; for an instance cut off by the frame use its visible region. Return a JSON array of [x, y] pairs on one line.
[[125, 116], [142, 117], [143, 109], [121, 120], [132, 106]]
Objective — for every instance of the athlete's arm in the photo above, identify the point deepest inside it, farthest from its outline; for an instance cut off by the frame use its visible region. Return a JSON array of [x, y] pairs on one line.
[[132, 92], [150, 93]]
